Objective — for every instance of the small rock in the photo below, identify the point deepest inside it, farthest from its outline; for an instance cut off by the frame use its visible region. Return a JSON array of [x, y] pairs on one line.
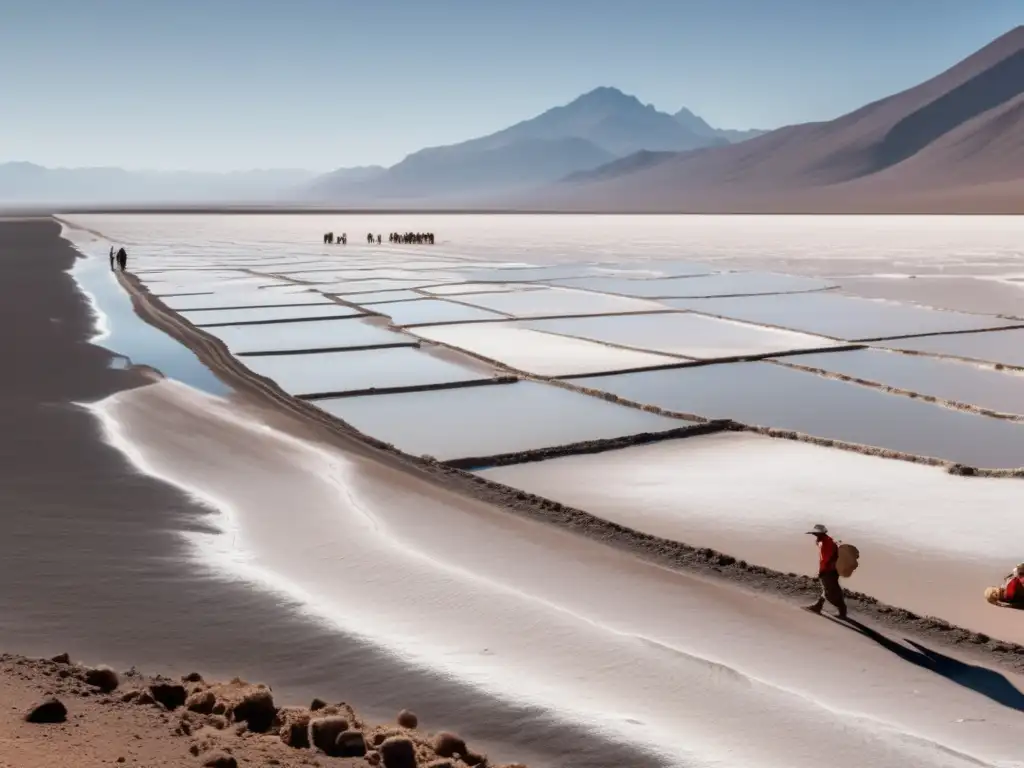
[[218, 760], [61, 658], [201, 702], [350, 744], [220, 708], [408, 719], [103, 678], [317, 704], [398, 752], [257, 709], [47, 711], [372, 758], [448, 744], [120, 760], [474, 759], [170, 695], [218, 721], [324, 732], [294, 730], [192, 677], [144, 698]]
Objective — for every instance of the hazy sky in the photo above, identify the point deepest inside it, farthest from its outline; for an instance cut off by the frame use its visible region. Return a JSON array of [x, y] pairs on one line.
[[232, 84]]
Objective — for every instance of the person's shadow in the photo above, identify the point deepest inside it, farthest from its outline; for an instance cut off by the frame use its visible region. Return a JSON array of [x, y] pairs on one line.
[[981, 680]]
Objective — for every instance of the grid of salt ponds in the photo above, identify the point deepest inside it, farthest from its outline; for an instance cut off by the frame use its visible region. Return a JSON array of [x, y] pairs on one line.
[[841, 317], [486, 421], [316, 374], [769, 395], [302, 336], [208, 318], [684, 334], [721, 284], [538, 353], [946, 379], [558, 301], [1005, 347]]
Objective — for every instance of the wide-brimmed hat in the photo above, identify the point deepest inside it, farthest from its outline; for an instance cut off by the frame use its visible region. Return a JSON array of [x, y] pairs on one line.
[[1019, 570], [818, 530]]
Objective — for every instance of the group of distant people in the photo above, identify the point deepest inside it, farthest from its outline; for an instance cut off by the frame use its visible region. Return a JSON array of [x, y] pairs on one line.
[[408, 238], [120, 257], [414, 238]]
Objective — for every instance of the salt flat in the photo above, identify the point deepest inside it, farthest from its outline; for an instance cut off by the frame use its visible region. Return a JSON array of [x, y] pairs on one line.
[[683, 333], [538, 353], [753, 497], [487, 421]]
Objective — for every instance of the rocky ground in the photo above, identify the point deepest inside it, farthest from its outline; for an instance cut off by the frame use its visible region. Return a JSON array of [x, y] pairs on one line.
[[57, 713]]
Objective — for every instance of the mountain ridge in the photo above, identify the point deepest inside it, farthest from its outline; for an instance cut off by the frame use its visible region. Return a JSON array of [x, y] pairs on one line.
[[905, 147]]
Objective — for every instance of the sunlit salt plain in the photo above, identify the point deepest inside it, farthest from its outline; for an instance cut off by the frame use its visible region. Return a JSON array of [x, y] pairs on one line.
[[557, 634]]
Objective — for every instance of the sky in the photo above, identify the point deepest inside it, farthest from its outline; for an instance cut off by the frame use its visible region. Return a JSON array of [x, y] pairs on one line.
[[320, 84]]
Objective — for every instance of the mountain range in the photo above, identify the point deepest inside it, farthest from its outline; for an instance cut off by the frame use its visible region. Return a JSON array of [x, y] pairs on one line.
[[953, 144], [594, 129]]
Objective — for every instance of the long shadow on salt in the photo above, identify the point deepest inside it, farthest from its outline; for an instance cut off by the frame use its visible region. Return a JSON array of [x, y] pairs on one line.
[[768, 395]]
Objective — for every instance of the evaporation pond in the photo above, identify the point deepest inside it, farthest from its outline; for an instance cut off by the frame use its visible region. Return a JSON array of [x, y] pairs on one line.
[[128, 335], [454, 289], [557, 301], [382, 297], [842, 317], [679, 488], [723, 284], [538, 353], [765, 394], [206, 318], [682, 333], [235, 299], [1005, 347], [961, 382], [432, 311], [317, 373], [306, 336], [486, 421]]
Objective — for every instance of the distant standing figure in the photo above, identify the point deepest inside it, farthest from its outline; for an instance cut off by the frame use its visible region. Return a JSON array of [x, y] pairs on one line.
[[378, 239], [344, 238], [111, 257], [828, 554], [122, 258]]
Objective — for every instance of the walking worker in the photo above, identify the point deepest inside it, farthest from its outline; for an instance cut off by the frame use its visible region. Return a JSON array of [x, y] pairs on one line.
[[122, 258], [828, 575]]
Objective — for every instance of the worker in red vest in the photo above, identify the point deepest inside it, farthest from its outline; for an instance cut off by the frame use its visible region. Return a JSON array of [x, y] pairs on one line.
[[1013, 589], [828, 554]]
